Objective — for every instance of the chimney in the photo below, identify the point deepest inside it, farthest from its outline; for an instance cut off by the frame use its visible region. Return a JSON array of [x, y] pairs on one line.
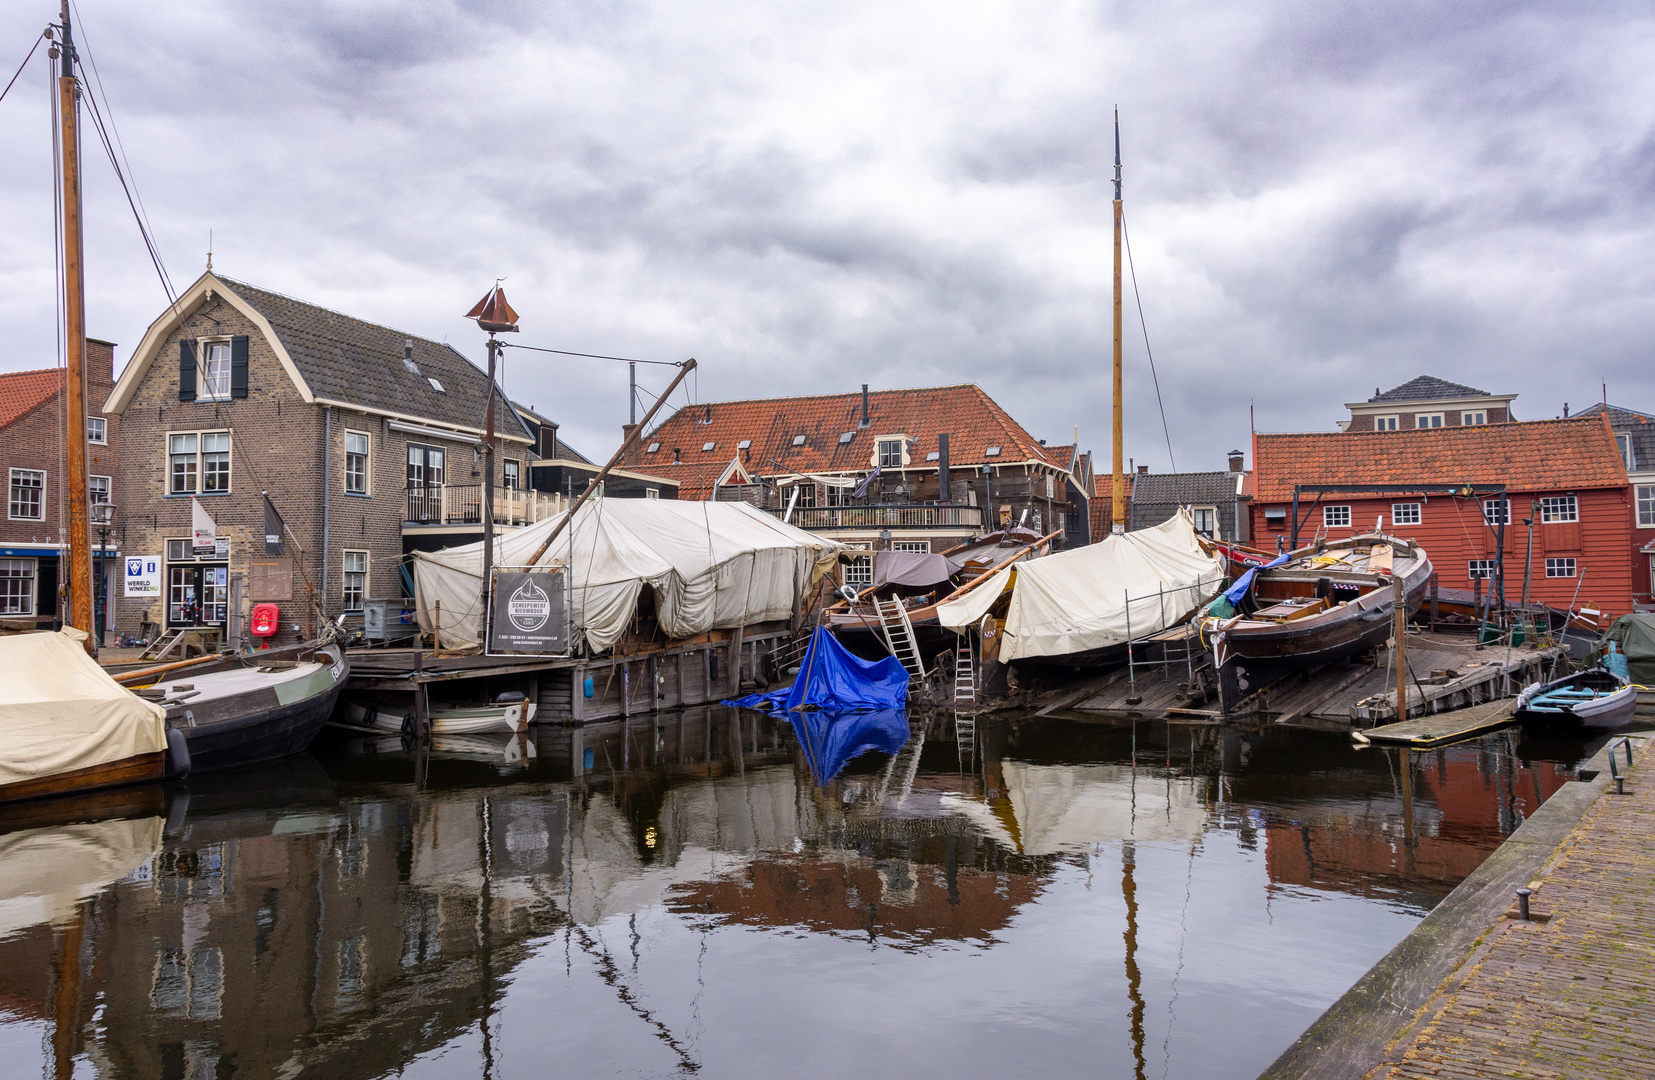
[[1143, 470], [1236, 461], [627, 431], [1565, 410], [942, 468], [407, 348], [865, 420]]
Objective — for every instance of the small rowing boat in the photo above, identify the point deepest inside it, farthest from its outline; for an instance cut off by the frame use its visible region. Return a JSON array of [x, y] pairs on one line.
[[502, 715], [1597, 699]]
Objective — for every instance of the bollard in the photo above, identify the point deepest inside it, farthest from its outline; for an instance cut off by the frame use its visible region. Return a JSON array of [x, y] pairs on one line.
[[1615, 772], [1523, 903]]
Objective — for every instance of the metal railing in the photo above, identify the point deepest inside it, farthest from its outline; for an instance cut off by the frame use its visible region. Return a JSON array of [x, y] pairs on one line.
[[905, 516], [462, 504]]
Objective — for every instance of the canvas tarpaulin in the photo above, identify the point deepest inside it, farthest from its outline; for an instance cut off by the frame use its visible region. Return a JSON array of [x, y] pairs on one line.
[[709, 566], [1076, 600], [60, 711], [831, 677], [913, 568], [1635, 634]]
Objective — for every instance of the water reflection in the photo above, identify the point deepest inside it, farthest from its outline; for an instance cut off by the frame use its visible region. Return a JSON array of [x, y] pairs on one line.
[[676, 892]]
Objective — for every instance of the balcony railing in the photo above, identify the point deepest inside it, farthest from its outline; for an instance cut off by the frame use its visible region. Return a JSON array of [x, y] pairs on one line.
[[906, 516], [462, 504]]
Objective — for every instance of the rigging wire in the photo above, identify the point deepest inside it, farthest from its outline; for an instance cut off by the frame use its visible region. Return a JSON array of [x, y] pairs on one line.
[[1136, 296], [21, 66], [594, 356]]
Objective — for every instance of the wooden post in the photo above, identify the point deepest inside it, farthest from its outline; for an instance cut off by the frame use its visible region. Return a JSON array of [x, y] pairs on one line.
[[1118, 519], [1401, 648], [79, 576], [735, 663], [419, 695], [488, 489]]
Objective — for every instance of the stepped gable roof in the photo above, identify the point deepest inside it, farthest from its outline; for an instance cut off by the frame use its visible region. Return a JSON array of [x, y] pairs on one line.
[[21, 391], [1429, 388], [350, 360], [972, 420], [1530, 455], [1639, 425], [1184, 488]]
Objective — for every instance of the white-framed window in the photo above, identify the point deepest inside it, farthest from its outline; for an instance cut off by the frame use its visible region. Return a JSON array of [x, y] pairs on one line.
[[1560, 568], [1646, 506], [1428, 420], [1405, 513], [97, 430], [214, 376], [356, 462], [1336, 517], [993, 451], [652, 493], [652, 448], [807, 496], [1624, 441], [1275, 517], [1479, 568], [198, 461], [1497, 511], [1558, 509], [1472, 419], [97, 489], [435, 385], [17, 586], [511, 475], [890, 453], [1206, 520], [921, 546], [859, 571], [28, 495], [1386, 423], [356, 579]]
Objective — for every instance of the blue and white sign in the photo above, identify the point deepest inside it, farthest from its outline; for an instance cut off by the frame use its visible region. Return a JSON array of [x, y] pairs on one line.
[[143, 576]]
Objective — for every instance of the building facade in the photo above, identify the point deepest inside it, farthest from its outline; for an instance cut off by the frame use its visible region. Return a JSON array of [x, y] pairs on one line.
[[366, 441], [1428, 402], [1567, 477], [1218, 502], [1635, 438], [34, 532]]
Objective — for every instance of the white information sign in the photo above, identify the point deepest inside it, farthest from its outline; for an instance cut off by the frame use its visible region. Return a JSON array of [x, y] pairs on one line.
[[143, 576]]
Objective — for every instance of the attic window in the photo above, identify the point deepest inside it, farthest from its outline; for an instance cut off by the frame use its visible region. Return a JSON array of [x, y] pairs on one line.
[[744, 444], [435, 385], [933, 455], [846, 437], [708, 445], [993, 451], [798, 440], [408, 362], [654, 446]]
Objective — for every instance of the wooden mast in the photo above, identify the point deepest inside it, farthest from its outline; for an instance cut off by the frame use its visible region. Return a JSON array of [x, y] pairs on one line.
[[79, 578], [1118, 518]]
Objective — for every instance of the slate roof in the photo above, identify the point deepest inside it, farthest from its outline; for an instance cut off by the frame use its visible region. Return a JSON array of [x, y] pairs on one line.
[[1428, 388], [972, 420], [1640, 425], [1173, 489], [347, 359], [21, 391], [1532, 455]]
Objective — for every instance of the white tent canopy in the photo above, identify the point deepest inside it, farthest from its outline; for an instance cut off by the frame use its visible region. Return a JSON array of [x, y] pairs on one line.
[[710, 565], [1076, 600]]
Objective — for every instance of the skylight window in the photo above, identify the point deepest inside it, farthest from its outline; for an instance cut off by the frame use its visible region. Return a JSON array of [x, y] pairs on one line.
[[993, 451], [744, 444], [708, 445], [798, 440], [846, 437], [435, 385], [933, 455], [654, 446]]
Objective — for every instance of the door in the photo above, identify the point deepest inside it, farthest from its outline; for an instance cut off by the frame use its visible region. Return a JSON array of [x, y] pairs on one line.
[[425, 480], [198, 595]]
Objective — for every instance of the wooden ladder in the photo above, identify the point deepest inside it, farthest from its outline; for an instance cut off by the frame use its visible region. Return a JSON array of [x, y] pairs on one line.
[[899, 635], [162, 646]]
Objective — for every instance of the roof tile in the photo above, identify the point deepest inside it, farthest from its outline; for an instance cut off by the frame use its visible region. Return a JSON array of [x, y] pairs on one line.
[[21, 391], [1428, 388]]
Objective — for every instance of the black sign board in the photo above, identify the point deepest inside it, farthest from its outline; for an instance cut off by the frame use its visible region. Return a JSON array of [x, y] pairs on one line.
[[528, 613]]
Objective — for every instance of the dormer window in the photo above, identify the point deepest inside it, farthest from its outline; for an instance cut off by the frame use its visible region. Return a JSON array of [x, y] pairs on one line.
[[708, 446], [798, 440], [890, 453], [993, 451], [654, 446], [435, 385]]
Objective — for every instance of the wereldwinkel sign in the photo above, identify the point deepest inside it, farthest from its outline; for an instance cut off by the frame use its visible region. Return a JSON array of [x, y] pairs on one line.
[[528, 613]]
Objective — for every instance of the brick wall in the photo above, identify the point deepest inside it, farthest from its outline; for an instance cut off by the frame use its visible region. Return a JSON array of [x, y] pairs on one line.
[[1407, 417]]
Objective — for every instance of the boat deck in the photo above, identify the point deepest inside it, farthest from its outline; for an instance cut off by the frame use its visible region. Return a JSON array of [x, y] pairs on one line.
[[223, 684]]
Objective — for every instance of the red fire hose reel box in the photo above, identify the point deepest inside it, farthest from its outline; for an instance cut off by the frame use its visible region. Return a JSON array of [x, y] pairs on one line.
[[266, 622]]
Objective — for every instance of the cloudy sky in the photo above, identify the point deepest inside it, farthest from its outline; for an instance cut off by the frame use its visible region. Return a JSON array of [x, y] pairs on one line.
[[1323, 197]]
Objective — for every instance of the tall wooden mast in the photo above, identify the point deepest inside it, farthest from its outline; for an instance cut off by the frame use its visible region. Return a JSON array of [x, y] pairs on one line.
[[79, 578], [1119, 512]]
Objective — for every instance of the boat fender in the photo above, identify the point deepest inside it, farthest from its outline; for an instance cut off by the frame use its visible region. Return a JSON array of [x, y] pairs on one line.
[[178, 755], [587, 687]]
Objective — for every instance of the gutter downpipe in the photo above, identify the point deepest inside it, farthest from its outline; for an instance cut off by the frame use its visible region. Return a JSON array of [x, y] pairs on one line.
[[327, 469]]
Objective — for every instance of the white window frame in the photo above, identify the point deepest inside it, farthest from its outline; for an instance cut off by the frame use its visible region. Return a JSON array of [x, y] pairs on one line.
[[1474, 418], [92, 489], [362, 476], [13, 570], [1387, 423], [1559, 510], [859, 571], [652, 493], [1414, 511], [1560, 567], [204, 375], [1644, 495], [1213, 534], [345, 575], [1624, 440], [97, 430], [11, 495], [1431, 420], [1497, 511], [922, 547], [1331, 516], [508, 481], [1479, 568], [198, 484], [888, 453]]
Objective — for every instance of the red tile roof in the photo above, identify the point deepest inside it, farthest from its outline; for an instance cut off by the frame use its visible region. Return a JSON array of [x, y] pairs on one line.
[[1533, 455], [972, 420], [21, 391], [1102, 505]]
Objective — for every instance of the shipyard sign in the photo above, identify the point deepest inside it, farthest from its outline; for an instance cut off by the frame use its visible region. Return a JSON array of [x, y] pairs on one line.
[[528, 613]]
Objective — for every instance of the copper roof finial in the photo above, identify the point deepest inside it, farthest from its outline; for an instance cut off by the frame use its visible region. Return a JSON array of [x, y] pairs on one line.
[[493, 313]]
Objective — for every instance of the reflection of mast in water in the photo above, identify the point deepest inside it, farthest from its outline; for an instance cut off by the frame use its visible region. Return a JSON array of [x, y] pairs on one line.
[[485, 905], [1134, 978], [66, 1001]]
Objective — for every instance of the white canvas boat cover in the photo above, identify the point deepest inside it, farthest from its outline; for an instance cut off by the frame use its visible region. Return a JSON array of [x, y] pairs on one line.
[[710, 565], [1076, 600], [60, 711]]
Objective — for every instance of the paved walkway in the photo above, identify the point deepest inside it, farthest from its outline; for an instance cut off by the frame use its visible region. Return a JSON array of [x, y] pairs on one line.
[[1571, 994]]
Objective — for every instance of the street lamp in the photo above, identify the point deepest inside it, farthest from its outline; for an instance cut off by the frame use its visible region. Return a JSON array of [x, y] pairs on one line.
[[102, 515]]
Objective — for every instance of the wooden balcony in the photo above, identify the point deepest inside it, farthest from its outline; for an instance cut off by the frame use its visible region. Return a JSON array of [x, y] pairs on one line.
[[462, 504]]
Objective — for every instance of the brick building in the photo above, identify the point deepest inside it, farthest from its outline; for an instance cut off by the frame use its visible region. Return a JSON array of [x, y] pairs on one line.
[[1428, 402], [1566, 475], [366, 439], [1635, 437], [1217, 501], [34, 531]]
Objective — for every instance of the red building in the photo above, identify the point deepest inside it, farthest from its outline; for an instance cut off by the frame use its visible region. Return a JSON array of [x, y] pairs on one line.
[[1568, 476]]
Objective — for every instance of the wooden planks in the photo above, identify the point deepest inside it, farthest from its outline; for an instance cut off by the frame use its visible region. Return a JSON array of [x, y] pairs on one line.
[[1440, 729]]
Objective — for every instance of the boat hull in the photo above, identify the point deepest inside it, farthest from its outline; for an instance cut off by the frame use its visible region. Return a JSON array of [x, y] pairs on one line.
[[260, 724], [1608, 710], [137, 769], [504, 719]]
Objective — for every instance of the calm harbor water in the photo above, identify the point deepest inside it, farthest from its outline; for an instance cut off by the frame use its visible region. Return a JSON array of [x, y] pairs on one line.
[[685, 893]]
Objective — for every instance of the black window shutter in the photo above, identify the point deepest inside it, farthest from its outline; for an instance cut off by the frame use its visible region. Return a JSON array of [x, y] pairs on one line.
[[238, 366], [186, 371]]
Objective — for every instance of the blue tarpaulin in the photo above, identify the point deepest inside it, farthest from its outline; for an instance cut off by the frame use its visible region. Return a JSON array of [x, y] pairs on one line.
[[1235, 592], [832, 739], [831, 678]]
